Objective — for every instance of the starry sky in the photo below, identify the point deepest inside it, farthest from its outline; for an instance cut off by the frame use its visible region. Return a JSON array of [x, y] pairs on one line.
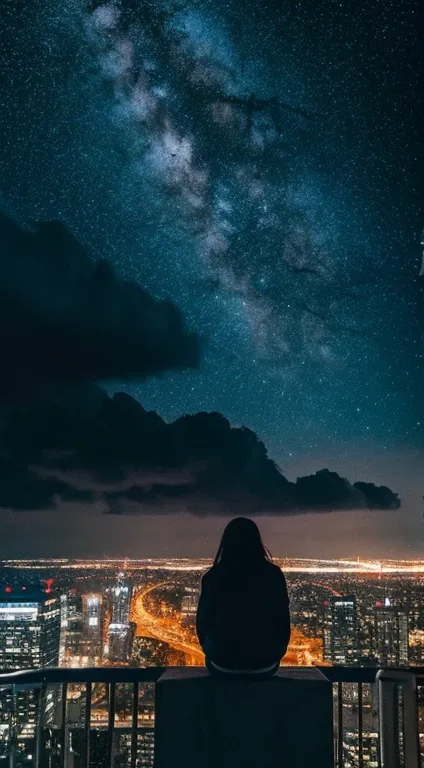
[[259, 164]]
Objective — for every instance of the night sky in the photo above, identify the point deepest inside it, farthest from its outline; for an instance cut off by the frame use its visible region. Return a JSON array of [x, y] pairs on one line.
[[259, 164]]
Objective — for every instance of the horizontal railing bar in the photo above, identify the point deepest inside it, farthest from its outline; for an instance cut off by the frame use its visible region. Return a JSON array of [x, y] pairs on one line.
[[365, 674], [51, 675]]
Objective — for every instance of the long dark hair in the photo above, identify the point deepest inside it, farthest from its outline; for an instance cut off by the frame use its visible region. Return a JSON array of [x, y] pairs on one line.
[[241, 545]]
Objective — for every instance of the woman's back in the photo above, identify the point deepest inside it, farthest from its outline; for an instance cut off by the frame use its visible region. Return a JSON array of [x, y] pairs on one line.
[[243, 614]]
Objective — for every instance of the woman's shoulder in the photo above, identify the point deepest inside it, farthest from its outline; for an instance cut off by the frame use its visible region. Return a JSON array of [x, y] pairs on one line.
[[209, 575], [215, 577], [275, 570]]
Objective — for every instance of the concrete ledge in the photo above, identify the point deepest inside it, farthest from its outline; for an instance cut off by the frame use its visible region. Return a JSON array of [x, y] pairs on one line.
[[205, 722]]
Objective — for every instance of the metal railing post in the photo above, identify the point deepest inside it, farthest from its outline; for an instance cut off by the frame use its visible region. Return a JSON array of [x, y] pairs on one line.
[[39, 724], [12, 727], [134, 727], [339, 725], [111, 723], [63, 726], [388, 680], [87, 726], [360, 727]]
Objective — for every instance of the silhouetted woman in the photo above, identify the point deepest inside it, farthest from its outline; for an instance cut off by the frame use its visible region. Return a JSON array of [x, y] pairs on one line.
[[243, 617]]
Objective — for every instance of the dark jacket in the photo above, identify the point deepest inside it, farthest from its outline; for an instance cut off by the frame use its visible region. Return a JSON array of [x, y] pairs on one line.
[[243, 617]]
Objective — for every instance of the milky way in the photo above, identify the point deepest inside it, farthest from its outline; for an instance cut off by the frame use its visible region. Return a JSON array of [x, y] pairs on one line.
[[255, 163]]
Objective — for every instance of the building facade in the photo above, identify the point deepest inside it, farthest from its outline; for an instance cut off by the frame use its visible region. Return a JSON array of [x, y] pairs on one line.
[[92, 625], [121, 631], [29, 630], [391, 634], [29, 639], [341, 630]]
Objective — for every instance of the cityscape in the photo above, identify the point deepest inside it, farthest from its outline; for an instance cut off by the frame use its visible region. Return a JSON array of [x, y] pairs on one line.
[[142, 613], [212, 314]]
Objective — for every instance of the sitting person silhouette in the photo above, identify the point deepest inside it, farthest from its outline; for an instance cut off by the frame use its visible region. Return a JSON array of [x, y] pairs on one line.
[[243, 616]]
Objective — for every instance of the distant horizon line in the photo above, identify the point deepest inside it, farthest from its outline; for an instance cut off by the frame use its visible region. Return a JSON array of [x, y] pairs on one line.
[[290, 564]]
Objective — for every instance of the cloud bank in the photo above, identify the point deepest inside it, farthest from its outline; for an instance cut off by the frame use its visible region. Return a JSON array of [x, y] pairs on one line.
[[80, 443]]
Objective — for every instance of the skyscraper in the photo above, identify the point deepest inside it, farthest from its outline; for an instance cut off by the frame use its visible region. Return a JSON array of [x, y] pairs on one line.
[[341, 630], [29, 639], [72, 627], [121, 631], [189, 606], [29, 629], [391, 634], [92, 625], [121, 600], [120, 640]]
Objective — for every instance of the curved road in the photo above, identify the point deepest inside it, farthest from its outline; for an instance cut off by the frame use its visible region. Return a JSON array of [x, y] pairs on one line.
[[170, 632], [163, 629]]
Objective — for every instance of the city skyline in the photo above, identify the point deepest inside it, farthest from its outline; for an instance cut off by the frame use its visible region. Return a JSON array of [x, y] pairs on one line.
[[130, 615], [345, 612]]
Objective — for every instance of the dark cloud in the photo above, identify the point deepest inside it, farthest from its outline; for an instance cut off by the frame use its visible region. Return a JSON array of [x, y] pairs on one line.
[[87, 445], [65, 317], [378, 496], [23, 488]]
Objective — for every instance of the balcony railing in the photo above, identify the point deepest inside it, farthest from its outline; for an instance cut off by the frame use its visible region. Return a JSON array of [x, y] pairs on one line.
[[376, 717], [393, 714]]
